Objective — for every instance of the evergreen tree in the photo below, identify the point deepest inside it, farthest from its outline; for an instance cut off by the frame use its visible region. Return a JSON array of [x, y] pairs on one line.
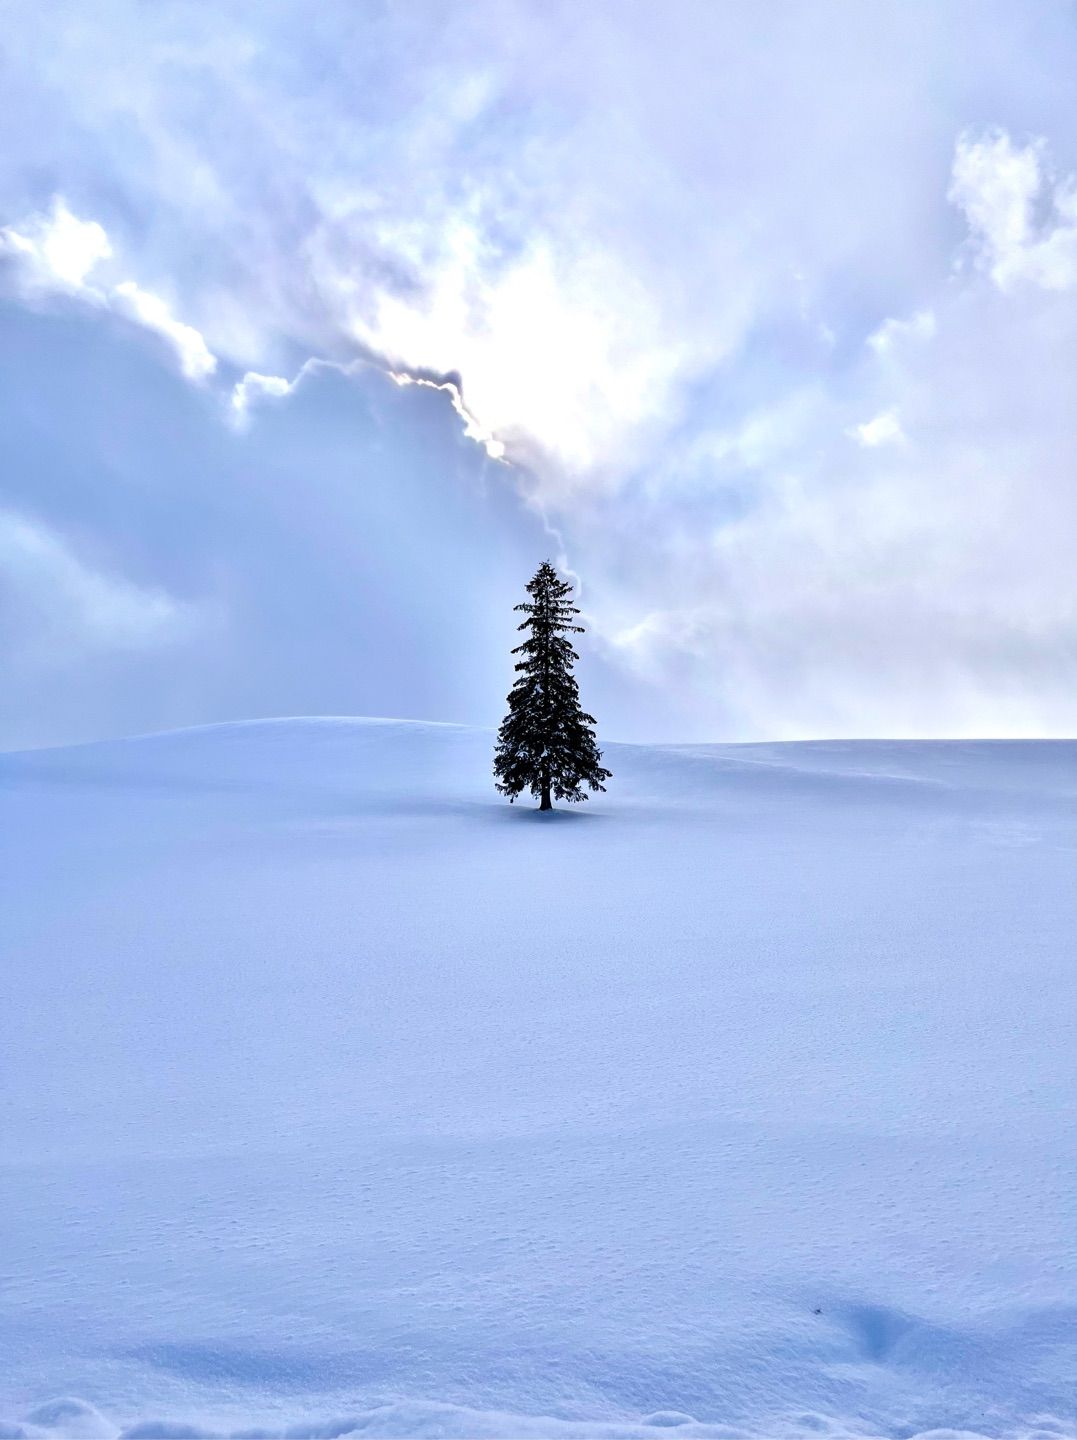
[[546, 743]]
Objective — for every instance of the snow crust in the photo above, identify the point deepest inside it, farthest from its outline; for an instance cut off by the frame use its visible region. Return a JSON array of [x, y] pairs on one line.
[[340, 1097]]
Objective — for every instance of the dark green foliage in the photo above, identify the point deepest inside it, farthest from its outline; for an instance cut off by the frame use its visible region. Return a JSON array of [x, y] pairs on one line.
[[546, 743]]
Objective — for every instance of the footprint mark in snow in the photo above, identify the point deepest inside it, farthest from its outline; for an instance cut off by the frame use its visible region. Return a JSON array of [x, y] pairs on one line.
[[878, 1330]]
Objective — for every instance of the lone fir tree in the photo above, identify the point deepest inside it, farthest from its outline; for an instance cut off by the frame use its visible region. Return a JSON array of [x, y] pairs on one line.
[[546, 743]]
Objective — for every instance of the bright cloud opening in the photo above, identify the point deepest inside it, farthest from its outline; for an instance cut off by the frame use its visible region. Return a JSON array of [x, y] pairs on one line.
[[56, 250]]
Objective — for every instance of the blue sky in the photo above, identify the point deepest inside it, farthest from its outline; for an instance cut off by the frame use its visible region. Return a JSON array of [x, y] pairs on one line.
[[319, 328]]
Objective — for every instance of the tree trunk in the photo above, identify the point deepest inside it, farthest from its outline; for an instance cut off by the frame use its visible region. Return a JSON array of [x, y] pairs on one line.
[[547, 803]]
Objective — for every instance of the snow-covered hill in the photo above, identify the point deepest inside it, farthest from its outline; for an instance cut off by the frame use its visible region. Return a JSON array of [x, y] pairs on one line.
[[340, 1095]]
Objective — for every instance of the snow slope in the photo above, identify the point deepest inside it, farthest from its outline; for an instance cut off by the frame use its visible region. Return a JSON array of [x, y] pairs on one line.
[[340, 1096]]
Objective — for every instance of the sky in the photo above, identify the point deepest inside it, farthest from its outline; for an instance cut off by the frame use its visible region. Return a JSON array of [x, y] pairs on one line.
[[320, 327]]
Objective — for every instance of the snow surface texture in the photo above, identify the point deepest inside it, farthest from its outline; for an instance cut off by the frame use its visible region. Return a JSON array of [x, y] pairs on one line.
[[339, 1096]]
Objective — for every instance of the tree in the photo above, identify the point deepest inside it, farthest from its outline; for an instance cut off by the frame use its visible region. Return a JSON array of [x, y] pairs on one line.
[[546, 743]]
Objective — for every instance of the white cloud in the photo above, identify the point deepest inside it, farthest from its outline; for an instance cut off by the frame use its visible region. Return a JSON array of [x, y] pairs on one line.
[[550, 345], [254, 388], [55, 604], [153, 313], [571, 218], [893, 334], [494, 448], [1003, 188], [57, 250], [646, 646], [871, 589], [883, 429]]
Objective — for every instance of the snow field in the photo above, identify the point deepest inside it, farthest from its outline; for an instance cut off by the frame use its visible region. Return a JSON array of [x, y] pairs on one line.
[[342, 1097]]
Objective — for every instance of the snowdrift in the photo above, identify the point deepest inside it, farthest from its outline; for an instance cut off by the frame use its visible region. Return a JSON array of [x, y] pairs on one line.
[[341, 1097]]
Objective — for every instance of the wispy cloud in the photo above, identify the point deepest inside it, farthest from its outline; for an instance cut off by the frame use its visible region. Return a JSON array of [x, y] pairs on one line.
[[57, 604], [883, 429], [895, 333]]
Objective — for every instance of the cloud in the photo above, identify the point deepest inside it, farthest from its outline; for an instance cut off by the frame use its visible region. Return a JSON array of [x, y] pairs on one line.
[[254, 388], [885, 588], [151, 312], [564, 212], [56, 605], [494, 448], [883, 429], [59, 253], [894, 334], [545, 338], [671, 315], [1023, 224], [56, 250]]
